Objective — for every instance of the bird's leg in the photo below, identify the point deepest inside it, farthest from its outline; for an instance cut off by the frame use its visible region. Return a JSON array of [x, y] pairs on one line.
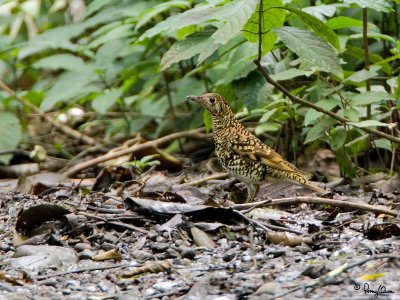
[[252, 190]]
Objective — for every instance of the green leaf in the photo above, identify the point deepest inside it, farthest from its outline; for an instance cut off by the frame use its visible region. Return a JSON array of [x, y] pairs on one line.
[[319, 130], [10, 134], [369, 97], [104, 101], [268, 115], [343, 22], [289, 74], [272, 18], [383, 144], [69, 85], [60, 61], [312, 114], [338, 138], [198, 15], [267, 127], [317, 26], [95, 5], [356, 146], [314, 52], [321, 11], [352, 114], [378, 5], [234, 15], [187, 48], [363, 75], [345, 163], [207, 121], [368, 123], [150, 13]]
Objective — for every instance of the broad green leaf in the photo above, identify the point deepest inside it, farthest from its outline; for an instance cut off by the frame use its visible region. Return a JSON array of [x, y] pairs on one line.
[[60, 37], [369, 97], [317, 26], [368, 123], [150, 13], [363, 75], [10, 134], [343, 22], [117, 31], [372, 35], [312, 114], [239, 65], [234, 16], [268, 115], [207, 121], [338, 138], [356, 146], [198, 15], [104, 101], [383, 144], [321, 11], [319, 130], [95, 5], [289, 74], [346, 165], [187, 48], [378, 5], [314, 52], [272, 18], [60, 61], [352, 114], [70, 85], [267, 127]]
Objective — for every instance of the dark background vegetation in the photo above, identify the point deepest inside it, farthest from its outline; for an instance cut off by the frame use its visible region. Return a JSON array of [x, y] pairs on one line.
[[111, 69]]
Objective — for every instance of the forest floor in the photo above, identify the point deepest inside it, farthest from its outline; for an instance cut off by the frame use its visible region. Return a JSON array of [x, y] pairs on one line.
[[166, 236]]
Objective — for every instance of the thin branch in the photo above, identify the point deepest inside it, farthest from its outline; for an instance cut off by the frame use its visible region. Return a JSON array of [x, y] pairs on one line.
[[63, 128], [137, 147], [319, 108], [317, 200]]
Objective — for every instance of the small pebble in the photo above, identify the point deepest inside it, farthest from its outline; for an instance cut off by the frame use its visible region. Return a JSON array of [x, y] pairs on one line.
[[159, 247], [188, 253], [171, 253], [228, 256], [82, 246], [86, 254], [91, 288]]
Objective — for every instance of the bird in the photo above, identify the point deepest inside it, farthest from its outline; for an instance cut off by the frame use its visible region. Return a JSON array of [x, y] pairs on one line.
[[242, 154]]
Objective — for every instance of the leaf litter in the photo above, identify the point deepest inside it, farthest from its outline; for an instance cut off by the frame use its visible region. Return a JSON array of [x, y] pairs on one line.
[[158, 236]]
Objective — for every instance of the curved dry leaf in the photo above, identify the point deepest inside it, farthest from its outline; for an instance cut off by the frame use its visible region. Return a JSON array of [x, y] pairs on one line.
[[287, 239], [110, 254], [150, 267], [201, 238]]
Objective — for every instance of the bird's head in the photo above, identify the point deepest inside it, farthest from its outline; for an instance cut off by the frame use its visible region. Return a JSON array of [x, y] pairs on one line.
[[213, 102]]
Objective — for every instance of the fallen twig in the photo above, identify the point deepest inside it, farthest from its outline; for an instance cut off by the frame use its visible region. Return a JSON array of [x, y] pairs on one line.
[[196, 133], [100, 268], [205, 179], [317, 200]]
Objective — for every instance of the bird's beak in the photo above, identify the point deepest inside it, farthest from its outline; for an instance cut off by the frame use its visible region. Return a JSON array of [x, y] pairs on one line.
[[193, 98]]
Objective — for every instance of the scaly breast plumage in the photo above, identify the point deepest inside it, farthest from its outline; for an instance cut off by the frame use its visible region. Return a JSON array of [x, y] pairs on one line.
[[241, 167]]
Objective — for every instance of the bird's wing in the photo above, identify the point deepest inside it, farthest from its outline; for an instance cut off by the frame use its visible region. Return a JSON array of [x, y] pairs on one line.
[[263, 154]]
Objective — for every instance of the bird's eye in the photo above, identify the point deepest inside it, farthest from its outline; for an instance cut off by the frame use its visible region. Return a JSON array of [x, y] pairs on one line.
[[212, 100]]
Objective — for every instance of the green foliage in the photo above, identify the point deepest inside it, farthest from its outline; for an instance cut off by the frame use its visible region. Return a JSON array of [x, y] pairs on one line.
[[140, 59], [10, 134]]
